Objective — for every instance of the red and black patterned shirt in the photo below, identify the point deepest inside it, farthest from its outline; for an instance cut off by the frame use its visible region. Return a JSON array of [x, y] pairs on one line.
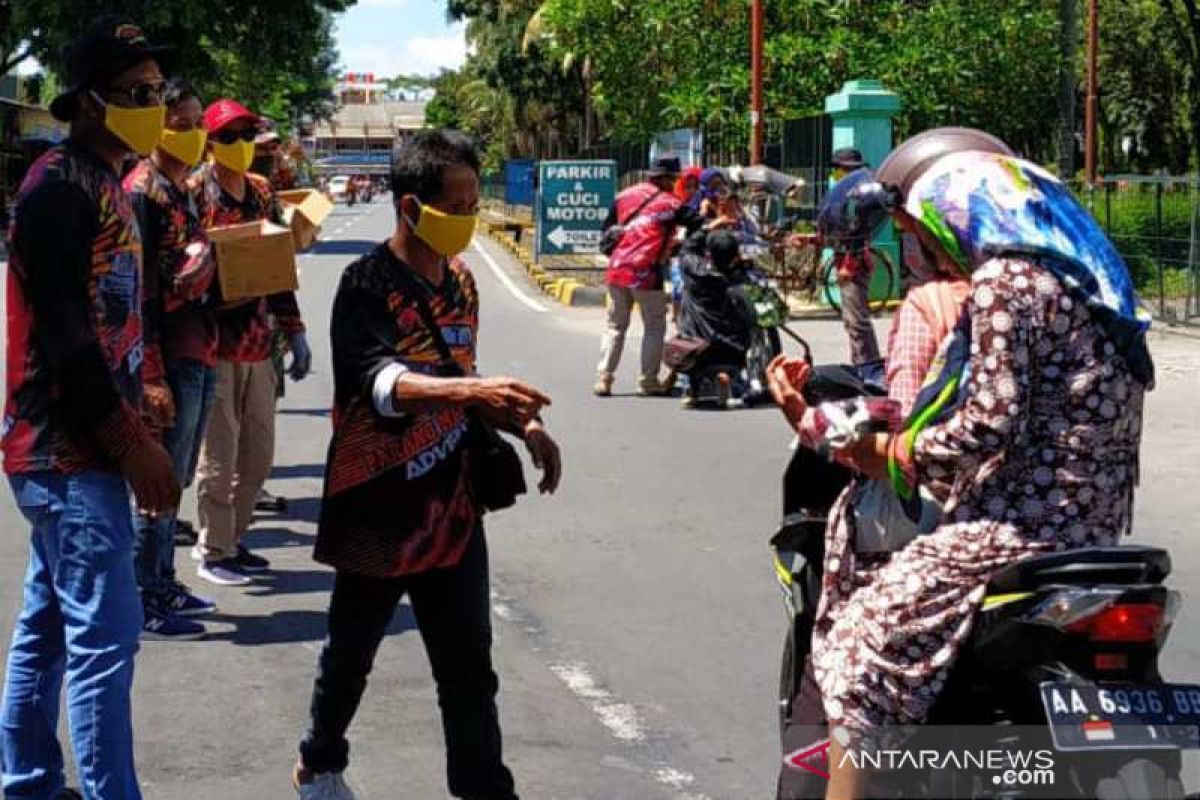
[[245, 331], [397, 496], [181, 293], [75, 353]]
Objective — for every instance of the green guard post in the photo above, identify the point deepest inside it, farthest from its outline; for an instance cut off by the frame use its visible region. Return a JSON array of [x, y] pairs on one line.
[[862, 118]]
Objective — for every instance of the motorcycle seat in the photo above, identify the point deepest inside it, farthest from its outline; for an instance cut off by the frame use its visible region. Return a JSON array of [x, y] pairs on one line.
[[1132, 564]]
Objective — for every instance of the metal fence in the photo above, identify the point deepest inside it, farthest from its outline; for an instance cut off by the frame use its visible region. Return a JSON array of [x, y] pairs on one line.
[[1154, 221]]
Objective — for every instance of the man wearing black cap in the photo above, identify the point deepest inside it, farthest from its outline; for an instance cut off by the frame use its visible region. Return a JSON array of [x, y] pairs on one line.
[[854, 275], [74, 440], [647, 215]]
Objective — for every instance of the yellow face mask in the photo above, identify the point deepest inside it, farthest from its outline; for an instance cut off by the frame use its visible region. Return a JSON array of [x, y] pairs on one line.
[[187, 146], [236, 156], [446, 234], [139, 128]]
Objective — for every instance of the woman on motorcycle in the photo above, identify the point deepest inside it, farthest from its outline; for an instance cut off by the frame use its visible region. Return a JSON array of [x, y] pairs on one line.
[[1038, 453], [711, 311]]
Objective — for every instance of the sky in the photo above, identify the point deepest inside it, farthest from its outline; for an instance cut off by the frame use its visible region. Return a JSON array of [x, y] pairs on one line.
[[392, 37], [389, 38]]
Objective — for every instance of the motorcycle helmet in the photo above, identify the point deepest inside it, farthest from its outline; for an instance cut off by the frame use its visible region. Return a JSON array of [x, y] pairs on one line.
[[900, 170], [854, 209]]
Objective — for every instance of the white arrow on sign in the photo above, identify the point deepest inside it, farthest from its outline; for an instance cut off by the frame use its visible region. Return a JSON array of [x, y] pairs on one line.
[[561, 237]]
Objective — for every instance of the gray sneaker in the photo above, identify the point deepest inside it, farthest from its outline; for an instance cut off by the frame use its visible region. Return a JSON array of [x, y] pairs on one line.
[[321, 785]]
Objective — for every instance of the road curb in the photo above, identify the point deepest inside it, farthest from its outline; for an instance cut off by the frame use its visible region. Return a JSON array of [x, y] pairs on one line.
[[567, 291]]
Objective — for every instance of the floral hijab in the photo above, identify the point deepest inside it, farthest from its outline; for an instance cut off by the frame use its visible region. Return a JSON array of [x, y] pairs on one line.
[[982, 206]]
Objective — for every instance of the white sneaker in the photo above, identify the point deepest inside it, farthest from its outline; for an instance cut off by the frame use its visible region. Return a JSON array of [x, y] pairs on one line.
[[325, 786], [223, 573]]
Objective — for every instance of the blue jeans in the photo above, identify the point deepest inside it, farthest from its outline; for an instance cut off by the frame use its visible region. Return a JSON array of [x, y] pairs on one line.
[[192, 388], [81, 617]]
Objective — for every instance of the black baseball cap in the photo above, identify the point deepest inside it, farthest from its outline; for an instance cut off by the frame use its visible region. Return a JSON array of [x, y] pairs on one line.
[[667, 165], [848, 158], [111, 45]]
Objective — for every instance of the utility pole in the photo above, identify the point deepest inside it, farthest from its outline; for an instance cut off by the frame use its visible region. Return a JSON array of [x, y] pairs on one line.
[[1093, 50], [756, 81], [1068, 46]]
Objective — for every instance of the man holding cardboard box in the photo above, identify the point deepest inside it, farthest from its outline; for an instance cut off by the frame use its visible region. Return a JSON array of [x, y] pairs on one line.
[[257, 272], [181, 345]]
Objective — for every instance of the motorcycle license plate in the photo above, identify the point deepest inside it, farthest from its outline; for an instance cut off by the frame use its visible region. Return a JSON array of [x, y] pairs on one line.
[[1120, 716]]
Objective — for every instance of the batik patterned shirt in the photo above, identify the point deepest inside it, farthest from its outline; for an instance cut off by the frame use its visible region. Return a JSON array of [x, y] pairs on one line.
[[245, 330], [397, 498], [75, 349]]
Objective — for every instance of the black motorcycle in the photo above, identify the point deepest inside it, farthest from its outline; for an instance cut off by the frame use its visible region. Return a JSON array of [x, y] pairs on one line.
[[1062, 662]]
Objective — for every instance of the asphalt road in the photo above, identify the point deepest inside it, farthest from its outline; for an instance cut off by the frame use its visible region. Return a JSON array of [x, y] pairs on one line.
[[638, 625]]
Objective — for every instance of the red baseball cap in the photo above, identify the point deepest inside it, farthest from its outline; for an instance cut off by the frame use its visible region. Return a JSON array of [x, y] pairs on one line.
[[224, 112]]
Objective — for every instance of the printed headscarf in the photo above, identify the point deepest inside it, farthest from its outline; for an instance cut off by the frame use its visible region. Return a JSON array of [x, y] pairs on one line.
[[707, 192], [981, 206]]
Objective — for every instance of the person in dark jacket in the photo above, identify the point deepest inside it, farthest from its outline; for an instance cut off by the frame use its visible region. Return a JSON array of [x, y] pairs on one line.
[[711, 309], [75, 443]]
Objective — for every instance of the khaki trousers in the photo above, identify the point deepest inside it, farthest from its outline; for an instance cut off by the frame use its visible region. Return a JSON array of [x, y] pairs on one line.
[[236, 456], [653, 305]]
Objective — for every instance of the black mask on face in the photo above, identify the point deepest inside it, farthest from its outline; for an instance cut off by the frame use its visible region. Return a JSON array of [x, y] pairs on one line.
[[263, 165]]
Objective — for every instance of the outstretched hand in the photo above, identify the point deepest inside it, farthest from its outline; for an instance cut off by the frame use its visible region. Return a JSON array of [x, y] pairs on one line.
[[786, 378]]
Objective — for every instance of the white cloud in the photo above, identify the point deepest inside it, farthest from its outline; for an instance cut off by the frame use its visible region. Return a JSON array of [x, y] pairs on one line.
[[383, 3], [422, 55]]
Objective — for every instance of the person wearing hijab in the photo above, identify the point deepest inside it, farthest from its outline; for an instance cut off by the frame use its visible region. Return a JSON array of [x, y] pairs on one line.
[[713, 186], [688, 184], [1037, 452]]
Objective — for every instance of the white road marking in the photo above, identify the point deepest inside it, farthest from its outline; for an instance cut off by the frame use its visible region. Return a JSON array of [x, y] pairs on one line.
[[502, 276], [621, 719]]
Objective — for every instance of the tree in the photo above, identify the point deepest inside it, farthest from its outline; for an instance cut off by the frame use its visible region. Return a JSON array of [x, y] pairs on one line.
[[278, 56], [1185, 18]]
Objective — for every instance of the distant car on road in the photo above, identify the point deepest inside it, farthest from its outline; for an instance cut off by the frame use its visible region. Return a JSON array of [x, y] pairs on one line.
[[339, 188]]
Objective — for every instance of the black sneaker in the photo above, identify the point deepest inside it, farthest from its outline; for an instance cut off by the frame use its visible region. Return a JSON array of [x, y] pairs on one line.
[[161, 625], [185, 534], [183, 602], [250, 562], [69, 794], [269, 502]]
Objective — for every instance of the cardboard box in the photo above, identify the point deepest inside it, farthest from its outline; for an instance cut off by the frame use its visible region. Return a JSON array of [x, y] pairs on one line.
[[304, 210], [254, 259]]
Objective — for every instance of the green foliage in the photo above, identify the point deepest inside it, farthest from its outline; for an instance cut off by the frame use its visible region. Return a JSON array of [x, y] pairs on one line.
[[276, 56], [652, 65]]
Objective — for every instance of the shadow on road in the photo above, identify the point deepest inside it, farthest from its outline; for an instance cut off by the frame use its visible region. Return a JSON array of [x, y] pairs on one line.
[[303, 412], [343, 247], [279, 582], [299, 509], [298, 471], [279, 537], [293, 627]]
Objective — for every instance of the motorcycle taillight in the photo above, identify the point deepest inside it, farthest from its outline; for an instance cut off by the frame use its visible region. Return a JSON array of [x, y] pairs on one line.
[[1109, 614], [1123, 622]]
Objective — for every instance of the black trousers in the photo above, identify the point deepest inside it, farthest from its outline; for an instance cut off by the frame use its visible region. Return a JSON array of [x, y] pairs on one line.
[[453, 612]]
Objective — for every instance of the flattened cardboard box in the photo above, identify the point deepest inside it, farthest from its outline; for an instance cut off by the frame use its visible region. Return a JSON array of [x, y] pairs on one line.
[[305, 210], [254, 259]]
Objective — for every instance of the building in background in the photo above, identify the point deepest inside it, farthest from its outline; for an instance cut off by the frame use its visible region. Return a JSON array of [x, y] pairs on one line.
[[26, 131], [358, 139]]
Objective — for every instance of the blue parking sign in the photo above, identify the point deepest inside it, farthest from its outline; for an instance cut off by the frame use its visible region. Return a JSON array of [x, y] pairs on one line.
[[574, 198]]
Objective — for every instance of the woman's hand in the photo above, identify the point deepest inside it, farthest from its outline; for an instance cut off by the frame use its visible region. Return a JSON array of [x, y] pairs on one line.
[[868, 456], [545, 454], [786, 378]]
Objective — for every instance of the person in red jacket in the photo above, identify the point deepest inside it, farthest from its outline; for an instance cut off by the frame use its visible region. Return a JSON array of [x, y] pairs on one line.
[[649, 214]]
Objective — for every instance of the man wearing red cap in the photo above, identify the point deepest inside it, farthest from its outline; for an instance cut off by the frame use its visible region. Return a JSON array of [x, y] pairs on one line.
[[235, 458]]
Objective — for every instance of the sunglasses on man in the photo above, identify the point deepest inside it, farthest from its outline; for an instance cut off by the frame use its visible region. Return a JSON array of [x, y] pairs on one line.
[[231, 136], [140, 95]]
